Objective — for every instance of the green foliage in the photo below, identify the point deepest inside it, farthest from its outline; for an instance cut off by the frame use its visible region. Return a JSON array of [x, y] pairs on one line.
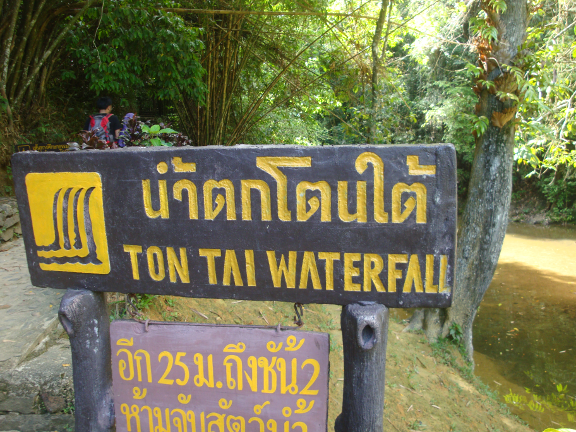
[[448, 108], [455, 333], [474, 71], [137, 133], [306, 80], [498, 5], [52, 124], [546, 121], [125, 306], [153, 134], [69, 409], [480, 124], [131, 47], [143, 301], [446, 352], [269, 77], [562, 198], [481, 27], [297, 127]]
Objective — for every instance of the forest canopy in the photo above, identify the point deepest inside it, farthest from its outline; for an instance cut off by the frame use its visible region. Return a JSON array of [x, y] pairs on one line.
[[319, 72], [496, 78], [236, 71]]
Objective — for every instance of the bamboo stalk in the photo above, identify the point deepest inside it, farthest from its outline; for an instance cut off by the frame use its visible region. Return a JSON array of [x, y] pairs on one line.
[[7, 48], [30, 23], [247, 116], [49, 51], [266, 13]]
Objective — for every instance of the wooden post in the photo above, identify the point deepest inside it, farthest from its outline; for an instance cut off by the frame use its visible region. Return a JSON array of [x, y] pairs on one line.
[[364, 336], [84, 316]]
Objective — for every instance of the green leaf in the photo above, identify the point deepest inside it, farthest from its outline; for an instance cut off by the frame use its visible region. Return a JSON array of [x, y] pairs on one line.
[[493, 33], [488, 84], [474, 70], [156, 141], [481, 124], [498, 5], [155, 129], [167, 130]]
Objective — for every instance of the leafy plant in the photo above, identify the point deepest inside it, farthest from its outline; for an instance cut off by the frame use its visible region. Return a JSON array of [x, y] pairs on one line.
[[455, 333], [137, 133], [143, 301], [535, 406], [498, 5], [132, 135], [90, 141], [152, 135], [484, 29], [480, 125], [69, 409], [561, 196]]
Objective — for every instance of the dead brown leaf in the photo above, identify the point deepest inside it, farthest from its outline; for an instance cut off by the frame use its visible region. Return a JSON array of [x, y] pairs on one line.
[[499, 119]]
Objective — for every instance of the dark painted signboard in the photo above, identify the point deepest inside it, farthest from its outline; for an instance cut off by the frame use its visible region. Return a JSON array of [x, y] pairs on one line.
[[334, 224], [191, 377]]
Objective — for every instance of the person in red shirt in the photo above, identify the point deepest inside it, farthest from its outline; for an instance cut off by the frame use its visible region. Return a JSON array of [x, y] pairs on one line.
[[105, 124]]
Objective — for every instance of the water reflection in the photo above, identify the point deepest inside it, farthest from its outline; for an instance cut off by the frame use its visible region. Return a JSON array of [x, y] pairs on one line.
[[525, 331]]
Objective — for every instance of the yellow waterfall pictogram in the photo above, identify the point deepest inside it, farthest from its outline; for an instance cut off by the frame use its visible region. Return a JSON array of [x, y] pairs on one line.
[[68, 221]]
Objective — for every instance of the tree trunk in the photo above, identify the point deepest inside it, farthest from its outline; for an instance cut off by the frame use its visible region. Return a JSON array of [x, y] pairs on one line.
[[484, 221], [483, 224]]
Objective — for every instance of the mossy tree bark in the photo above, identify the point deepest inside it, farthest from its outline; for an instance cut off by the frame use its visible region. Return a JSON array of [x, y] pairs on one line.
[[483, 224]]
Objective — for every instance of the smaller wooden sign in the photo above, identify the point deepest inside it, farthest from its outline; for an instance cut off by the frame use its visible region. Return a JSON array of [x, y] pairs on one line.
[[42, 147], [206, 378]]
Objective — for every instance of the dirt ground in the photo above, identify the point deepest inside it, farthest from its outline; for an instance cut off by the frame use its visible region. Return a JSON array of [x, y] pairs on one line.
[[426, 388]]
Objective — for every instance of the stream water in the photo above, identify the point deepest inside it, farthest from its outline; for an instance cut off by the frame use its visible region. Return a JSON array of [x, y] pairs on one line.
[[525, 330]]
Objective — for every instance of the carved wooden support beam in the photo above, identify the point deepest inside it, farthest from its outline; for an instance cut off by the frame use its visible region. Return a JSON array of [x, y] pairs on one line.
[[364, 336], [84, 316]]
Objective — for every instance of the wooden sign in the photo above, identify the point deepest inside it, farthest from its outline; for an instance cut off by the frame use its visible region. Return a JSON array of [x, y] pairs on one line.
[[334, 224], [42, 147], [204, 378]]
